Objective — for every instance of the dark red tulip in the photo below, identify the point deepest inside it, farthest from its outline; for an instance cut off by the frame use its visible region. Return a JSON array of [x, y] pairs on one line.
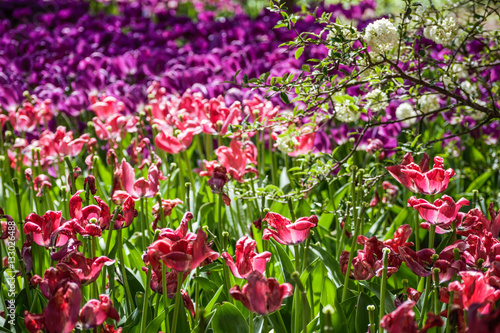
[[476, 222], [53, 278], [487, 322], [42, 228], [217, 181], [95, 312], [88, 270], [247, 260], [61, 312], [368, 262], [288, 233], [400, 320], [261, 295]]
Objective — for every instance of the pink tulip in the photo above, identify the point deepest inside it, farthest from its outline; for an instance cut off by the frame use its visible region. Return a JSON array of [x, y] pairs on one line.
[[174, 144], [475, 290], [235, 159], [261, 295], [441, 213], [286, 232], [418, 178], [107, 107], [306, 142], [140, 188], [247, 260]]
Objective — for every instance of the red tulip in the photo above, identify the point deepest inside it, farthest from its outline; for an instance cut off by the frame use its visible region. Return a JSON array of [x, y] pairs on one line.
[[247, 260], [180, 232], [88, 270], [481, 251], [43, 227], [261, 295], [289, 233], [235, 159], [418, 178], [400, 320], [476, 222], [83, 216], [95, 312], [441, 213], [183, 255], [166, 209], [488, 322], [171, 282], [216, 116], [61, 312], [475, 290], [140, 188], [53, 278], [368, 262]]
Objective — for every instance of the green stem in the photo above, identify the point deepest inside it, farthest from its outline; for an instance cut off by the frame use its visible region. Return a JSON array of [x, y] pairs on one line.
[[383, 285], [164, 296], [143, 224], [106, 249], [353, 246], [250, 322], [190, 172], [145, 302], [178, 302], [436, 291], [290, 207], [130, 301], [416, 230]]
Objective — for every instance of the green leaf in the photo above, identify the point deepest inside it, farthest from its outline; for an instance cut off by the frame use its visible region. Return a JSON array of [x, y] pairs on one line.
[[398, 221], [154, 325], [479, 181], [211, 304], [298, 52], [306, 68], [284, 98], [228, 318]]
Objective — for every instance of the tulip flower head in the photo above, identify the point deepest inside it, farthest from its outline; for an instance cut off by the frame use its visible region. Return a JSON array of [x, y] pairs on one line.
[[441, 213], [247, 260], [261, 295], [418, 178], [288, 233], [140, 188]]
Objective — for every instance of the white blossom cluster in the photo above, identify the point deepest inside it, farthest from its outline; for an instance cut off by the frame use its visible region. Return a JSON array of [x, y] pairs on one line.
[[286, 143], [345, 112], [381, 36], [443, 32], [406, 110], [377, 100], [428, 103], [474, 114]]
